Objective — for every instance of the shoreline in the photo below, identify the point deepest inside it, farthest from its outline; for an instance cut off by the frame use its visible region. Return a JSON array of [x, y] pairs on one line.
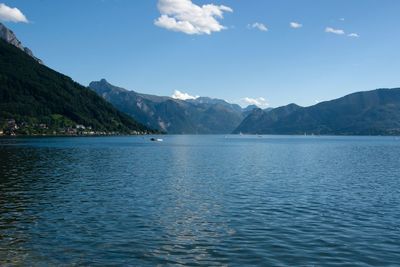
[[232, 135]]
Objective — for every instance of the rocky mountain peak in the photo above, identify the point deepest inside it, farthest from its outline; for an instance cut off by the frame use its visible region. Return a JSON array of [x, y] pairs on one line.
[[8, 35]]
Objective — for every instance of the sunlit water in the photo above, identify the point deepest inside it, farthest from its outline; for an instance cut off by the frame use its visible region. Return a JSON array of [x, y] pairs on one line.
[[200, 200]]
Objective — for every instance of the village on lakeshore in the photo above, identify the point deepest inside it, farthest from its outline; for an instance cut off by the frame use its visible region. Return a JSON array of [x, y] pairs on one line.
[[11, 128]]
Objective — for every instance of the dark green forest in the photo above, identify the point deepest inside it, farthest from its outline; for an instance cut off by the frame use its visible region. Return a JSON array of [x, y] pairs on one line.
[[41, 100]]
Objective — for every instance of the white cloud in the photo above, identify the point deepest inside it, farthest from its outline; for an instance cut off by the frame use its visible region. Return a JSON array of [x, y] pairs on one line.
[[335, 31], [259, 102], [182, 96], [187, 17], [258, 26], [341, 32], [11, 14], [353, 34], [295, 25]]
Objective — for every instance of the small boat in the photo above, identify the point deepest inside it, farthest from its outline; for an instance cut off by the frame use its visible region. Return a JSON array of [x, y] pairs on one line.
[[156, 139]]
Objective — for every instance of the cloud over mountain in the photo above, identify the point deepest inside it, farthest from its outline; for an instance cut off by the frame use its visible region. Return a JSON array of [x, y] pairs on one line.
[[259, 101], [10, 14], [182, 96], [187, 17]]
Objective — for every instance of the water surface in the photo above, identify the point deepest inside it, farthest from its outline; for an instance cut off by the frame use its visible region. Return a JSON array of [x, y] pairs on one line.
[[200, 200]]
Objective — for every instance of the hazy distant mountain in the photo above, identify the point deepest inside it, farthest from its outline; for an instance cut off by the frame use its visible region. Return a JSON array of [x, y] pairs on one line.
[[374, 112], [7, 35], [196, 116], [36, 99], [251, 108], [214, 101]]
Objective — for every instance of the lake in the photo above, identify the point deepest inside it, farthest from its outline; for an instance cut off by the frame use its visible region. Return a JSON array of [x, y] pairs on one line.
[[200, 201]]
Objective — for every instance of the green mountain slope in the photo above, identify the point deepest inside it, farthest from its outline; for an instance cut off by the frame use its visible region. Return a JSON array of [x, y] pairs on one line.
[[374, 112], [33, 94]]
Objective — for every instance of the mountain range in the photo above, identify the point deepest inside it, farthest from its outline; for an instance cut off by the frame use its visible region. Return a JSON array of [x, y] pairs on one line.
[[374, 112], [202, 115], [35, 99]]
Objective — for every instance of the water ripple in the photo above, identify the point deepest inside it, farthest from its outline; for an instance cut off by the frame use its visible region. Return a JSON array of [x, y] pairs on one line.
[[200, 201]]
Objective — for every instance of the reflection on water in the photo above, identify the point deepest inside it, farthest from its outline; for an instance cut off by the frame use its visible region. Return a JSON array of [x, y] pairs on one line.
[[200, 200]]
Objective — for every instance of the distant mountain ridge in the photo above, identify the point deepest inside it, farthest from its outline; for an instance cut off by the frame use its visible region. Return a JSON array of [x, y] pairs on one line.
[[375, 112], [202, 115]]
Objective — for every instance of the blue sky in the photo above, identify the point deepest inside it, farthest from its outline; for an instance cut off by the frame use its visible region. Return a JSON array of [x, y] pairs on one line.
[[230, 57]]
